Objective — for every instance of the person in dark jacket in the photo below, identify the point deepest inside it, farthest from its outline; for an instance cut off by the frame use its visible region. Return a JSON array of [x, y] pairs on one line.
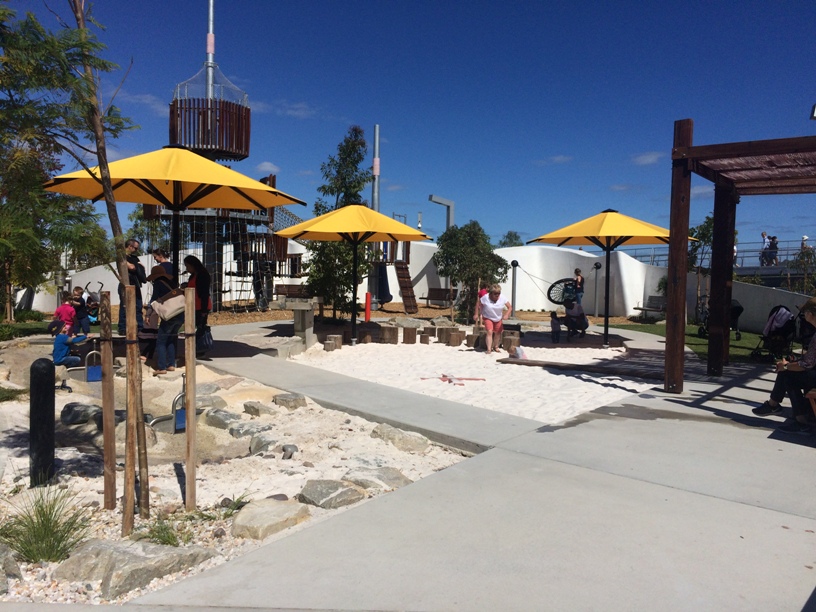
[[200, 280], [136, 277]]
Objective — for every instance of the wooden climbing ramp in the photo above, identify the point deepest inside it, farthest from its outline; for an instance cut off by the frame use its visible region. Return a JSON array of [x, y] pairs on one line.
[[406, 286]]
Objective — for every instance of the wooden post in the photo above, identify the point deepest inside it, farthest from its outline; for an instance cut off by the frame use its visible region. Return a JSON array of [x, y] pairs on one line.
[[389, 335], [429, 331], [678, 260], [409, 335], [722, 271], [190, 397], [133, 366], [424, 339], [108, 405], [337, 339]]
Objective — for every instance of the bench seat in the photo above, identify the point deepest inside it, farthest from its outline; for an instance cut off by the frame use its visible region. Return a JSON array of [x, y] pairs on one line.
[[440, 294], [654, 303]]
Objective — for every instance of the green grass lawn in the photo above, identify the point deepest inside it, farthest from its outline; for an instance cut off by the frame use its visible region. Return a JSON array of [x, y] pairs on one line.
[[18, 330], [740, 349]]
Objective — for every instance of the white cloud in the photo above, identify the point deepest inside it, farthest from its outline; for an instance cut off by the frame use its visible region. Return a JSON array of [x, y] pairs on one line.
[[621, 187], [395, 188], [154, 104], [702, 191], [267, 168], [284, 108], [647, 159]]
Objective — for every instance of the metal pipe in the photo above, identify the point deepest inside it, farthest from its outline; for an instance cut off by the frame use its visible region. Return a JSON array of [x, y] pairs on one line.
[[515, 264], [210, 63]]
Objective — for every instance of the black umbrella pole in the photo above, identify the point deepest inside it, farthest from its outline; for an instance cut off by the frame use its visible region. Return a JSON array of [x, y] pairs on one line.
[[175, 239], [354, 296], [606, 301]]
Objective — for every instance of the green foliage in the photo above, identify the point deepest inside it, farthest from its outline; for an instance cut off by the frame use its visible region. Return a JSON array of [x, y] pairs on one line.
[[466, 256], [510, 239], [700, 249], [9, 331], [740, 350], [9, 395], [46, 526], [23, 316], [804, 264], [329, 265], [663, 285], [162, 531]]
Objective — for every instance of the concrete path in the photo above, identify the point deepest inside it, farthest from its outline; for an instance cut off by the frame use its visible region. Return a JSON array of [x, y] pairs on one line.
[[661, 501]]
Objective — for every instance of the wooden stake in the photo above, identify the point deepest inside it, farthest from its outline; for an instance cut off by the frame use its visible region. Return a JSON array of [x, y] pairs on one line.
[[108, 406], [133, 364], [190, 396]]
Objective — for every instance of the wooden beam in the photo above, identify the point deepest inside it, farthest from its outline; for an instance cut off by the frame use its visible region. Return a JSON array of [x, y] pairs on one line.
[[751, 148], [678, 260]]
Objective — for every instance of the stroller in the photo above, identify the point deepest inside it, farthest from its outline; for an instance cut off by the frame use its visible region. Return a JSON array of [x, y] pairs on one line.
[[777, 337], [92, 303], [736, 311]]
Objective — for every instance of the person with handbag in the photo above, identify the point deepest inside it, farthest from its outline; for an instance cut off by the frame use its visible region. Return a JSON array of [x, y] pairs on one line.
[[200, 280], [170, 321]]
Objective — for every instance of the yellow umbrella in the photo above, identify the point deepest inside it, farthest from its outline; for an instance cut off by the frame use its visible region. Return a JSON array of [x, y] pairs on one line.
[[607, 230], [354, 224], [177, 179]]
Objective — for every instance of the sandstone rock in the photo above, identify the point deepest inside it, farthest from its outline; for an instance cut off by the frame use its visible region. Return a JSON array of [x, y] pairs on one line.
[[118, 417], [377, 478], [257, 409], [262, 442], [121, 434], [76, 412], [290, 400], [408, 441], [203, 402], [330, 494], [407, 322], [442, 322], [126, 565], [10, 568], [222, 419], [263, 517]]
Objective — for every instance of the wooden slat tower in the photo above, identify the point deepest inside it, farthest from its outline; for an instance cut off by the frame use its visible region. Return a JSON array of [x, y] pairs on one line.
[[406, 287]]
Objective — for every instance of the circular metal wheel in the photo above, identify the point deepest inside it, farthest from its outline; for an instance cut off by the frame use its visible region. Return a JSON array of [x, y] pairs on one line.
[[561, 291]]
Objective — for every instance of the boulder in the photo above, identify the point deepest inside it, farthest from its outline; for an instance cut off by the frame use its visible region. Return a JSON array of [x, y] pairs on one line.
[[330, 494], [290, 401], [407, 322], [262, 442], [442, 322], [221, 419], [75, 412], [385, 478], [257, 409], [261, 518], [244, 429], [125, 565], [408, 441]]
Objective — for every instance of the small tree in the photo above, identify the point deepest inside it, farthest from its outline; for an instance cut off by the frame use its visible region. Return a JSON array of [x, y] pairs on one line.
[[330, 263], [466, 256], [510, 239]]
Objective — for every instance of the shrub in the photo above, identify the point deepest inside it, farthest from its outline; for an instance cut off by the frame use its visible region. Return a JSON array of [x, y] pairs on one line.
[[28, 315], [47, 525], [6, 332]]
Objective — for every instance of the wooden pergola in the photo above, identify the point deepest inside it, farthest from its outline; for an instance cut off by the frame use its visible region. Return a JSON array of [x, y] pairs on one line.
[[762, 167]]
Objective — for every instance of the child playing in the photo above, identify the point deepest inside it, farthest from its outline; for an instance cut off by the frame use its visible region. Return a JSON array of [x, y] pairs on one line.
[[81, 309], [66, 312], [555, 327], [63, 339]]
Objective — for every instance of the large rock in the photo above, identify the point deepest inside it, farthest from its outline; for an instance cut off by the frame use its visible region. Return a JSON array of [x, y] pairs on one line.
[[331, 494], [262, 442], [408, 441], [407, 322], [121, 435], [262, 518], [244, 429], [222, 419], [10, 568], [124, 565], [290, 401], [75, 412], [385, 478], [442, 322], [203, 402], [256, 408]]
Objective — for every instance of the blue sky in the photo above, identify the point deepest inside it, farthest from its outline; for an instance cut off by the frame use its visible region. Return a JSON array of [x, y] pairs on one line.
[[529, 115]]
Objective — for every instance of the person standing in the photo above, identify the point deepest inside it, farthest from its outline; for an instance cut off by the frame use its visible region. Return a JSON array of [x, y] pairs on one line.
[[200, 280], [81, 309], [766, 245], [493, 308], [136, 277], [579, 285], [168, 330], [65, 312], [162, 258], [555, 327]]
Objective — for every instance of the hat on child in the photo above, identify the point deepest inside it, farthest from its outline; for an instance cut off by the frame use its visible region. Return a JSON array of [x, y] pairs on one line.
[[55, 327], [804, 237], [158, 272]]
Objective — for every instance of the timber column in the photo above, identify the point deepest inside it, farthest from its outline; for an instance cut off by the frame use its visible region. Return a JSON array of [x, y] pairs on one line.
[[722, 273], [678, 259]]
